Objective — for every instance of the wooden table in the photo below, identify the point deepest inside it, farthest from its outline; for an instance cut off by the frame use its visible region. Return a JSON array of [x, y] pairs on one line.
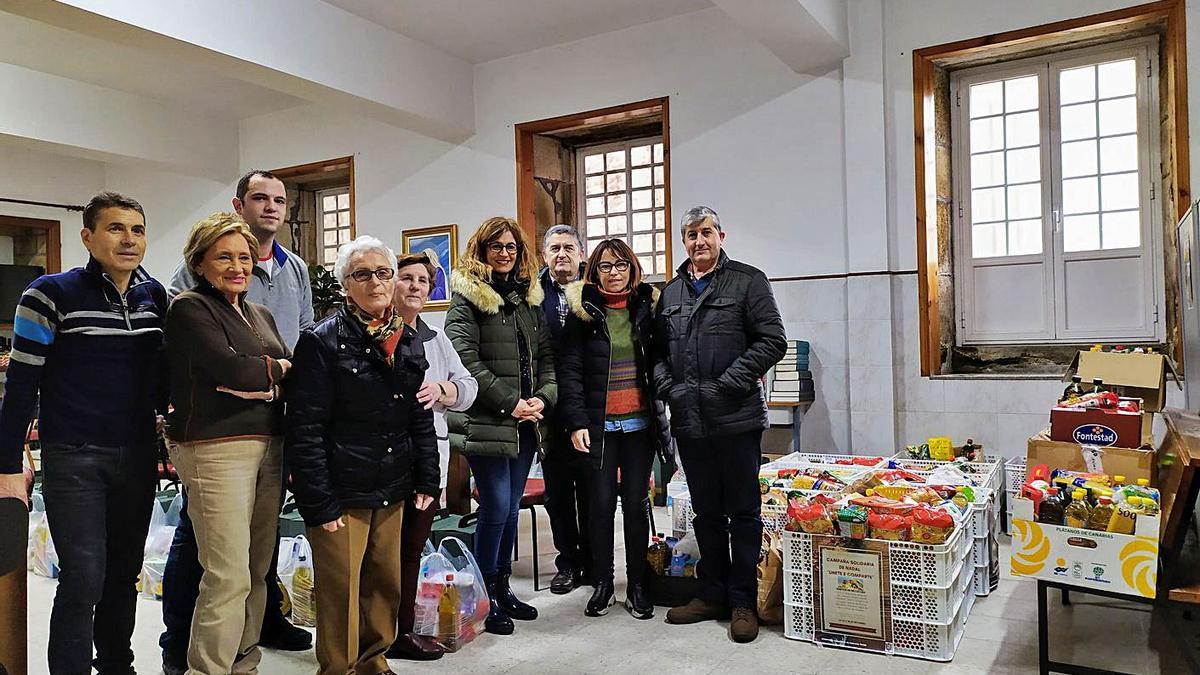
[[797, 410]]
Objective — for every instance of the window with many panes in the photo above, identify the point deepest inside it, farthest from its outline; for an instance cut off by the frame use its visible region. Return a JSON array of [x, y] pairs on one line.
[[334, 208], [622, 194], [1056, 237]]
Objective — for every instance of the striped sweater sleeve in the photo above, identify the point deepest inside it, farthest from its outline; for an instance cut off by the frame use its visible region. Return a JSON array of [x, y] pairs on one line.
[[34, 328]]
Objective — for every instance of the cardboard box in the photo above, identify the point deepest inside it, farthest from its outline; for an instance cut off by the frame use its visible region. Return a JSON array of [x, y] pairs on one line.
[[1133, 463], [1141, 376], [1118, 563], [1095, 426]]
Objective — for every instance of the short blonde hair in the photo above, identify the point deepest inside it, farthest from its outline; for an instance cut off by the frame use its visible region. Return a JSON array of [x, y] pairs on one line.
[[206, 233]]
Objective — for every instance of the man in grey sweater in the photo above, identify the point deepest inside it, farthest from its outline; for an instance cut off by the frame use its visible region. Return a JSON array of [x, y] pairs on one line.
[[280, 281]]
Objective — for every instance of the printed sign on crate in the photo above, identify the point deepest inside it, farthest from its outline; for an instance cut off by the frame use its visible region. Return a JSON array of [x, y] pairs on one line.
[[852, 587]]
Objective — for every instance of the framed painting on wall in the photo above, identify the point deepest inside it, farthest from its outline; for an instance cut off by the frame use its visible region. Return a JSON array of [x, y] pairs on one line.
[[440, 243]]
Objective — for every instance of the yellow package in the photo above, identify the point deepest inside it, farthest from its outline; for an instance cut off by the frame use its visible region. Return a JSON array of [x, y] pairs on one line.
[[941, 448]]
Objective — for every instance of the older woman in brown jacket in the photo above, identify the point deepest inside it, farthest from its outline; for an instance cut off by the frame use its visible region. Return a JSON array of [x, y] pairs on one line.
[[227, 361]]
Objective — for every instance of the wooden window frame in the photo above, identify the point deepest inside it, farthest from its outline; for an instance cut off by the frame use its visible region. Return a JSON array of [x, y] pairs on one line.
[[329, 165], [527, 185], [929, 74]]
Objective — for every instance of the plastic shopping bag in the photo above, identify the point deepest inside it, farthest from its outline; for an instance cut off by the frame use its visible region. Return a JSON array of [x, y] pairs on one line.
[[472, 598], [43, 559], [284, 571], [304, 601], [158, 544], [431, 582]]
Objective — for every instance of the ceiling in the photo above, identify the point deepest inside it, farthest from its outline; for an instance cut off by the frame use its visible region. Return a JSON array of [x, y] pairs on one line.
[[483, 30]]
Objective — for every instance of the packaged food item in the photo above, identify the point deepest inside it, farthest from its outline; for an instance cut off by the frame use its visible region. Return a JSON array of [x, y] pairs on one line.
[[941, 448], [805, 482], [917, 451], [1052, 507], [1146, 506], [658, 555], [1077, 512], [1123, 518], [1101, 514], [852, 521], [787, 474], [1073, 390], [924, 495], [963, 497], [931, 526], [811, 518], [874, 502], [896, 492], [764, 485], [891, 476], [1144, 490], [890, 527]]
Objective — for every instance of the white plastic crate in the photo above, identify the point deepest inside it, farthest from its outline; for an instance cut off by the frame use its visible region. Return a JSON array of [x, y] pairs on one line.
[[797, 621], [986, 474], [1014, 474], [931, 566], [799, 459], [681, 515], [981, 583]]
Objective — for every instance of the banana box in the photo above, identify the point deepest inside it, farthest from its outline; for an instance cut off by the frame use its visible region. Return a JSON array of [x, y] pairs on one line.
[[1107, 561]]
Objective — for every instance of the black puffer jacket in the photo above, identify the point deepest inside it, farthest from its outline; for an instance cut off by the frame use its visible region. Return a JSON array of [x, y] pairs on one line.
[[712, 349], [356, 435], [583, 365]]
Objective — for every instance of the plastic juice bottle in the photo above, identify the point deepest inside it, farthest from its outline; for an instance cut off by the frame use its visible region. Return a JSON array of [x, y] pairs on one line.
[[1123, 517], [1051, 511], [1101, 515], [1077, 512], [448, 614], [1146, 506]]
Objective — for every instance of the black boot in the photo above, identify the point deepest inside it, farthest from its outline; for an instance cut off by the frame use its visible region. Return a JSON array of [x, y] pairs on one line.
[[498, 621], [637, 603], [515, 608], [601, 600]]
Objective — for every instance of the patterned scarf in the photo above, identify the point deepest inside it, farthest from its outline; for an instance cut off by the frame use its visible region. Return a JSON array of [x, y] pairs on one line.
[[386, 332]]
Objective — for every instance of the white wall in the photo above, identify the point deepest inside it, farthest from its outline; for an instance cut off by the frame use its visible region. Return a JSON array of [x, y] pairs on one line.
[[40, 176]]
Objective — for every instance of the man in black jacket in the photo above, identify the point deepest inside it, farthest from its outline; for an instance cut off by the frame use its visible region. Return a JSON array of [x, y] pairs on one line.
[[566, 471], [717, 332]]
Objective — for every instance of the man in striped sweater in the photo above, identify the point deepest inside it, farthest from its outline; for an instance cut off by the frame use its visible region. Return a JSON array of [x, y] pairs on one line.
[[89, 341]]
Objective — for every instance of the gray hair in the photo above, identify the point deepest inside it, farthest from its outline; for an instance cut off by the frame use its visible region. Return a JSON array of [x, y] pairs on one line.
[[697, 214], [561, 229], [353, 249]]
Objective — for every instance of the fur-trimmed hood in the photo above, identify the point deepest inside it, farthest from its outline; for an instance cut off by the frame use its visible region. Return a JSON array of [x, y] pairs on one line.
[[580, 294], [471, 279]]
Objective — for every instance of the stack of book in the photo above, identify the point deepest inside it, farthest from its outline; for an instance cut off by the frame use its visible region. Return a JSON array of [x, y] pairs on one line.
[[793, 380]]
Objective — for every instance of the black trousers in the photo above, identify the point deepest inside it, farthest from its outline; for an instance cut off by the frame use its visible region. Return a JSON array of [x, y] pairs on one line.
[[633, 455], [98, 505], [568, 476], [722, 477]]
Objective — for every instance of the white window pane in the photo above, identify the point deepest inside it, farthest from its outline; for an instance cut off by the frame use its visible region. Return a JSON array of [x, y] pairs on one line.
[[640, 155], [1021, 130], [643, 243], [660, 219], [642, 199], [1025, 237], [615, 160], [329, 203], [1079, 159], [595, 206], [616, 203], [1021, 94], [344, 201], [615, 182], [1117, 79], [647, 262], [640, 177], [329, 221], [659, 175], [595, 227], [987, 134], [1122, 229], [1024, 201], [617, 225], [1119, 191], [1119, 153], [660, 264], [343, 218], [1078, 121], [330, 237], [593, 163], [987, 205], [660, 197], [594, 185], [987, 169], [1118, 116], [1077, 84], [658, 153], [1081, 233], [643, 221], [1024, 166], [986, 99], [660, 241], [987, 241], [1079, 195], [330, 255]]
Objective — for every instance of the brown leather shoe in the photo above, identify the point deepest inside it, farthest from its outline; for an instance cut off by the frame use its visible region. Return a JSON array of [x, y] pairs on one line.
[[744, 627], [695, 611], [413, 647]]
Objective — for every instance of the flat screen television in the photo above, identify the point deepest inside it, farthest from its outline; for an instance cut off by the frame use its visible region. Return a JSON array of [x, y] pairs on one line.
[[14, 279]]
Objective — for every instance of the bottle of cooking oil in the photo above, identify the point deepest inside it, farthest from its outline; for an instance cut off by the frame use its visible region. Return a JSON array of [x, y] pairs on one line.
[[1101, 514], [1077, 512], [1051, 509]]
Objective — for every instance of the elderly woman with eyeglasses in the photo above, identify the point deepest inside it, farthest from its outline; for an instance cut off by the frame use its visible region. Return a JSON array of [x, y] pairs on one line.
[[360, 445], [497, 325]]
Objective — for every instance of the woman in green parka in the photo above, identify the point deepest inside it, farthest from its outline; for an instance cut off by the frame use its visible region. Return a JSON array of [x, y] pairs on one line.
[[498, 328]]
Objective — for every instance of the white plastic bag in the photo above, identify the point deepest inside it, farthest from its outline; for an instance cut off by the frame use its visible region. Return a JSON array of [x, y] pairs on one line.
[[431, 582], [304, 601], [284, 570], [43, 559], [473, 603]]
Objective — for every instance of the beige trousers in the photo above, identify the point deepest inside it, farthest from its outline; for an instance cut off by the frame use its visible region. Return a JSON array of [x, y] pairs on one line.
[[357, 590], [233, 489]]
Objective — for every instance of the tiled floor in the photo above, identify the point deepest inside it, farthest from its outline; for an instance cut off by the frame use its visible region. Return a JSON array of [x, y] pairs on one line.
[[1001, 637]]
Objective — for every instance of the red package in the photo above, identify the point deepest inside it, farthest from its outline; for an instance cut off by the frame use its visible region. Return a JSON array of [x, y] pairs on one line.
[[882, 504], [898, 475], [866, 461], [787, 473], [889, 526], [931, 526]]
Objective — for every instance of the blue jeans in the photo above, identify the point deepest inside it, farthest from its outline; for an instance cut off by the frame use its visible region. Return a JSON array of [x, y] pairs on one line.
[[98, 505], [501, 484]]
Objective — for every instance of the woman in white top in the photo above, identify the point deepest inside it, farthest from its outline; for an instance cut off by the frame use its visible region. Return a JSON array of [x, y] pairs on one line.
[[448, 386]]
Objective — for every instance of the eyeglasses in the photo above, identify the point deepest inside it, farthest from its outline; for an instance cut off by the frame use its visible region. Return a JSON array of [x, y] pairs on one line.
[[382, 274], [497, 247], [608, 267]]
